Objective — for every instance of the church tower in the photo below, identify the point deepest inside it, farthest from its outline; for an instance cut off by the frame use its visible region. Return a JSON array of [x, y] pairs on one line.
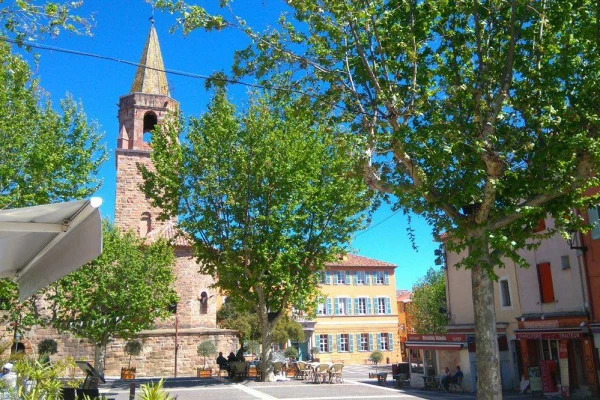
[[139, 112]]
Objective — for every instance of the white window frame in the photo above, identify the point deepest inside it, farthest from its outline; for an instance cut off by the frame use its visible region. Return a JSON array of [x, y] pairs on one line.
[[381, 301], [361, 275], [345, 342], [502, 297], [384, 341], [379, 278], [323, 342], [322, 309], [364, 302], [345, 305], [364, 342]]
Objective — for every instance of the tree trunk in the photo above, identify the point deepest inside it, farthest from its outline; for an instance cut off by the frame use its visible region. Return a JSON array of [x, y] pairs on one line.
[[488, 365], [99, 357], [266, 336]]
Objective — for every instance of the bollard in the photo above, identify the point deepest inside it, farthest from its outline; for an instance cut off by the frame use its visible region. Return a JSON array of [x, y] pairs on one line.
[[131, 391]]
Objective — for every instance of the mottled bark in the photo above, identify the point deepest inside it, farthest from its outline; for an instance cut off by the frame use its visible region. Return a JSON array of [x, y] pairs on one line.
[[488, 365], [266, 333], [99, 350]]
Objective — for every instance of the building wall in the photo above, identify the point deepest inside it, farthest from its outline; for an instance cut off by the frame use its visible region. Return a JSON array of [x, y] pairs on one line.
[[356, 324]]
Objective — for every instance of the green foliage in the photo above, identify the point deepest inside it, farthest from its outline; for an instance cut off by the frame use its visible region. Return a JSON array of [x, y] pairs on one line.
[[245, 322], [118, 294], [376, 357], [29, 20], [132, 348], [46, 378], [207, 348], [287, 329], [48, 346], [291, 353], [268, 197], [154, 391], [428, 303]]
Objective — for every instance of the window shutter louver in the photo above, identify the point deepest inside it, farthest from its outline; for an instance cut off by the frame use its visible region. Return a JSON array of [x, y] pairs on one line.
[[327, 277], [369, 308], [348, 306], [356, 311], [348, 277], [350, 344], [391, 338], [328, 306], [330, 343], [318, 340], [387, 278], [388, 306], [370, 342], [545, 282], [336, 306], [379, 341], [338, 338], [355, 278]]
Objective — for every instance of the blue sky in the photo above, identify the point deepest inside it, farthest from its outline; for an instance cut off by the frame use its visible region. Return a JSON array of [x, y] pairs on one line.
[[120, 33]]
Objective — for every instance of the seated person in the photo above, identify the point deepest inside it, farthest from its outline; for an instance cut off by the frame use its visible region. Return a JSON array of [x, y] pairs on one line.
[[446, 378], [230, 358], [8, 381], [222, 361], [458, 376]]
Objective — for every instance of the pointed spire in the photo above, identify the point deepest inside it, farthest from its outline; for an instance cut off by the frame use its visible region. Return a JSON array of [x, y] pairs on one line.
[[150, 76]]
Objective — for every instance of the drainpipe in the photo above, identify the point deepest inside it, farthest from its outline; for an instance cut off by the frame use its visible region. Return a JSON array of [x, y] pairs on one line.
[[584, 277], [176, 342]]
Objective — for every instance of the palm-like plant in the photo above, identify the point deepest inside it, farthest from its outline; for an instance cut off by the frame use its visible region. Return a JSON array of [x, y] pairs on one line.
[[155, 391]]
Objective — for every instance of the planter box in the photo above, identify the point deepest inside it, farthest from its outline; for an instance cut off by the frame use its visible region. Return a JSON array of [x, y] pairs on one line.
[[252, 372], [290, 373], [203, 373], [127, 373]]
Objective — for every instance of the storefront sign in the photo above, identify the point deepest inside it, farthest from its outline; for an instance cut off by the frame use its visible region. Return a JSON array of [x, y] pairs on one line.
[[455, 338], [562, 349], [557, 335], [548, 370], [551, 323]]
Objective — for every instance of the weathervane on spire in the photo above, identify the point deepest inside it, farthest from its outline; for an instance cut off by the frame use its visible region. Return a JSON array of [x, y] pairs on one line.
[[152, 16]]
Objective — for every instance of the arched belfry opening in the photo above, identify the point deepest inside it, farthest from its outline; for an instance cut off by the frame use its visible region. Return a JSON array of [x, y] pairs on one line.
[[145, 224], [150, 121]]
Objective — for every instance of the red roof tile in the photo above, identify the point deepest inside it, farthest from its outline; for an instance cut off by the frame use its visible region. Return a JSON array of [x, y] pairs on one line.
[[353, 260]]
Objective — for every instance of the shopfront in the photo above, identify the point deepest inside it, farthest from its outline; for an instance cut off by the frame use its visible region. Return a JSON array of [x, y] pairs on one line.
[[563, 356], [428, 355]]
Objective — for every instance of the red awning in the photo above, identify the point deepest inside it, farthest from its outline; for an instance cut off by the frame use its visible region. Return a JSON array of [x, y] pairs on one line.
[[555, 333], [434, 345]]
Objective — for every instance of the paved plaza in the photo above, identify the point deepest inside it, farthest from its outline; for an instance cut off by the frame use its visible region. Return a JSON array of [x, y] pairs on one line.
[[356, 385]]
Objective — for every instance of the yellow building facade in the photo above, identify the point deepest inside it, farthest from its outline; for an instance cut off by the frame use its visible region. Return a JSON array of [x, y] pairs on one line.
[[359, 313]]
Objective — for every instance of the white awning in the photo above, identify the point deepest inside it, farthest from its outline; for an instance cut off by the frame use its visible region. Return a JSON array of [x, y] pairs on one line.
[[41, 244]]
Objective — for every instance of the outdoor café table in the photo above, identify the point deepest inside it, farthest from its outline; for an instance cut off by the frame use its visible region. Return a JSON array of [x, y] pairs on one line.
[[431, 382], [321, 372]]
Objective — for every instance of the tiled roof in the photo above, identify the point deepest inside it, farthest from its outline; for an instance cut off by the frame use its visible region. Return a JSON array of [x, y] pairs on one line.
[[353, 260], [171, 233], [403, 295], [150, 76]]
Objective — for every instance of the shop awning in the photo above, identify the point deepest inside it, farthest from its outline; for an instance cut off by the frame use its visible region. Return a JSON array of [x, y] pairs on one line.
[[41, 244], [550, 333], [435, 345]]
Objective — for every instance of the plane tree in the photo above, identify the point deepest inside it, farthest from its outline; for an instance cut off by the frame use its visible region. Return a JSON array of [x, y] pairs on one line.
[[267, 196], [481, 116]]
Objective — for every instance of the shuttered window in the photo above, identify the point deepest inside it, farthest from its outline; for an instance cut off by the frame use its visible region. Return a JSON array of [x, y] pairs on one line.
[[545, 281]]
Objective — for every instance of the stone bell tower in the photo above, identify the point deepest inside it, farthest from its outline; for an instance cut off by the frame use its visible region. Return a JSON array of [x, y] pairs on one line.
[[139, 112]]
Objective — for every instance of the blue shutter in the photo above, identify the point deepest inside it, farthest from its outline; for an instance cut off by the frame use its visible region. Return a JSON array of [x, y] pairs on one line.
[[388, 306], [355, 278], [335, 277], [348, 305], [379, 341], [348, 277], [369, 309], [356, 305], [387, 278], [338, 338], [336, 306], [358, 342], [330, 343], [367, 278], [328, 306], [391, 336], [318, 341], [593, 221], [370, 342], [327, 277], [350, 344]]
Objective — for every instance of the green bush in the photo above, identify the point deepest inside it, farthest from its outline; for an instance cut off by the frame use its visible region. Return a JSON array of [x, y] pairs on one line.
[[291, 353], [207, 349], [376, 357], [48, 346]]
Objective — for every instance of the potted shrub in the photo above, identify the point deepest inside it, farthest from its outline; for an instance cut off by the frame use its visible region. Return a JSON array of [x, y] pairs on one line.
[[291, 353], [132, 348], [206, 349], [46, 348], [375, 357], [313, 351]]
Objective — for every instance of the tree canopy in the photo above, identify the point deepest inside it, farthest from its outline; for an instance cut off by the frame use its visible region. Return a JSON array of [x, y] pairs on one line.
[[268, 197], [427, 309], [481, 116], [118, 294]]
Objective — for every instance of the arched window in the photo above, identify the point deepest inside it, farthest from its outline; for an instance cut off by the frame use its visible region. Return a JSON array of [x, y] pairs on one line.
[[145, 224], [150, 121], [204, 303]]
